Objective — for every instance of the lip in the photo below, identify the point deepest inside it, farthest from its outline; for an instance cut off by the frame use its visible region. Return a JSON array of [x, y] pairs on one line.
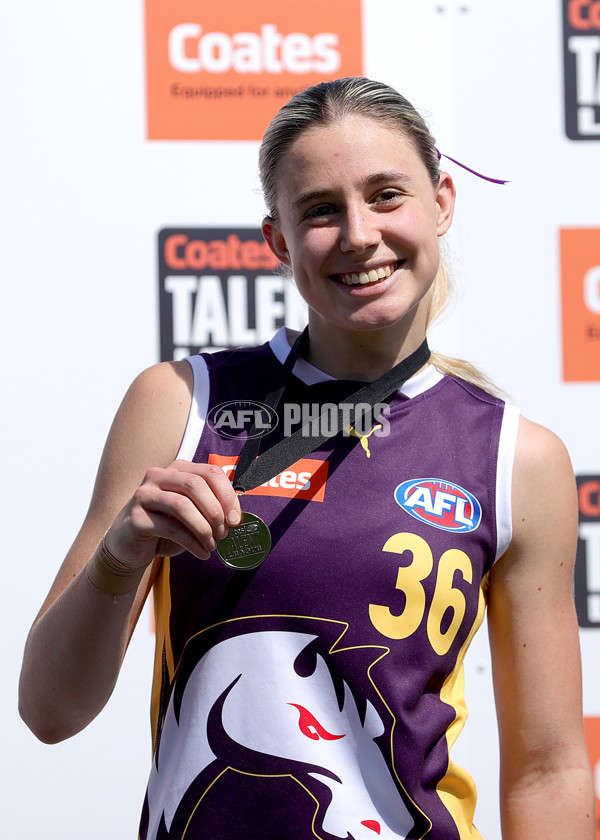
[[362, 288]]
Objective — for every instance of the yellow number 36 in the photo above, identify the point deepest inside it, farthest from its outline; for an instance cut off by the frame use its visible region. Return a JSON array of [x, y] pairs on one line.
[[409, 580]]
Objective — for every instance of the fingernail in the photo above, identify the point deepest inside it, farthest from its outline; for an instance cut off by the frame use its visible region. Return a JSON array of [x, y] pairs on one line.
[[210, 544], [233, 517], [221, 532]]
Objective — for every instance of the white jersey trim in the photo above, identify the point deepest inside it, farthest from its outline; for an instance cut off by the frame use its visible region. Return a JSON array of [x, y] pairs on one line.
[[198, 408], [504, 474], [310, 375]]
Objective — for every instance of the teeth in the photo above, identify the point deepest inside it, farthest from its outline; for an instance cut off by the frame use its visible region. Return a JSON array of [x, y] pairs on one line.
[[366, 277]]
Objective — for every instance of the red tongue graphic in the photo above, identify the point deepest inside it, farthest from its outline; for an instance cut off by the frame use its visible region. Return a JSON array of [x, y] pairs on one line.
[[373, 825]]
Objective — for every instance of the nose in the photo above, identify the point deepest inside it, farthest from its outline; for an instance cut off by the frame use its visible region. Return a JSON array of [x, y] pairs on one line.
[[359, 231]]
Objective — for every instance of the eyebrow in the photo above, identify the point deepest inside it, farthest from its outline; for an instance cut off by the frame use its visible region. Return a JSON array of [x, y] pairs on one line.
[[390, 175]]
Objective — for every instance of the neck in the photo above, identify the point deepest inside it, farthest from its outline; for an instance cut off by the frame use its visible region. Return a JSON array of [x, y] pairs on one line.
[[361, 356]]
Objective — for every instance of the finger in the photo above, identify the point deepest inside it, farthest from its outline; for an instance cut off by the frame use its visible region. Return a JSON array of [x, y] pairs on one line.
[[144, 534], [175, 538], [147, 528], [220, 485], [186, 486], [187, 503]]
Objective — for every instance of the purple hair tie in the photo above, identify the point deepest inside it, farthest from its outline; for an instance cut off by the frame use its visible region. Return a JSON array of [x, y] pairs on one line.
[[472, 171]]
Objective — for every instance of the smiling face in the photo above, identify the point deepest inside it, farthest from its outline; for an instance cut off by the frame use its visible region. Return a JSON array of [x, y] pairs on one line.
[[358, 224]]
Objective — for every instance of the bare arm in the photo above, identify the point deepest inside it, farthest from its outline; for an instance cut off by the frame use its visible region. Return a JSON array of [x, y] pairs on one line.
[[147, 506], [546, 787]]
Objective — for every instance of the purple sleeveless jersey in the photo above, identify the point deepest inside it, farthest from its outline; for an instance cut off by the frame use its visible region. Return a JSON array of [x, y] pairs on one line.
[[313, 696]]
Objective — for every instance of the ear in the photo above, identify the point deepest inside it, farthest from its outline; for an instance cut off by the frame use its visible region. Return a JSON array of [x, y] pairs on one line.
[[275, 240], [445, 198]]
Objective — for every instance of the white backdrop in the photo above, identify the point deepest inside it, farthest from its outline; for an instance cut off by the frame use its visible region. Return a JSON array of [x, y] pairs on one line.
[[83, 195]]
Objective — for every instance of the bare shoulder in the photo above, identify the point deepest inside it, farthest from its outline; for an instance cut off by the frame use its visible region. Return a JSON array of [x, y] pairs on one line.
[[147, 430], [539, 448], [542, 464], [164, 387], [544, 498], [157, 405]]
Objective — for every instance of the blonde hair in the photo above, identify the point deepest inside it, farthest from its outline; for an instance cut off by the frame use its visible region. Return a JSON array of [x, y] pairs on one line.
[[328, 102], [441, 294]]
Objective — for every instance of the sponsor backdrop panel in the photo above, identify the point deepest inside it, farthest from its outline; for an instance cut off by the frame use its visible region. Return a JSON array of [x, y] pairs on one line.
[[130, 223], [580, 273], [587, 573], [221, 71], [581, 47], [221, 288]]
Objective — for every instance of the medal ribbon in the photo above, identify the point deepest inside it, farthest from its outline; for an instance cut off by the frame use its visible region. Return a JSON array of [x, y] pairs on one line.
[[252, 471]]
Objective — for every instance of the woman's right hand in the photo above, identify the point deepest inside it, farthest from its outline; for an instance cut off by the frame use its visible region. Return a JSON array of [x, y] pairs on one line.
[[185, 506]]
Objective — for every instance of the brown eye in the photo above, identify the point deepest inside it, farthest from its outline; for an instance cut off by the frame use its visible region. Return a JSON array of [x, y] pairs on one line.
[[389, 196], [319, 212]]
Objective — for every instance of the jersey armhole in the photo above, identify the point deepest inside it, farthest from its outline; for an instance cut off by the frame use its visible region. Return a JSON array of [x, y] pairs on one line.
[[504, 473], [198, 408]]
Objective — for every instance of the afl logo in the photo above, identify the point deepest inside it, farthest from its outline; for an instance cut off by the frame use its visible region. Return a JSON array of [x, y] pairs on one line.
[[229, 419], [439, 503]]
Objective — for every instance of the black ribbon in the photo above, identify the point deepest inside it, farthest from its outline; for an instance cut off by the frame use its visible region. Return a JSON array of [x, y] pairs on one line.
[[252, 471]]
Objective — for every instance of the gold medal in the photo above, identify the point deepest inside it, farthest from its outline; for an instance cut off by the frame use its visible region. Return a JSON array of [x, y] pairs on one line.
[[246, 545]]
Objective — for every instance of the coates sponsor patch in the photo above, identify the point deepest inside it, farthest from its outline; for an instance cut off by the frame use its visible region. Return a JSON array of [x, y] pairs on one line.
[[439, 503], [306, 479]]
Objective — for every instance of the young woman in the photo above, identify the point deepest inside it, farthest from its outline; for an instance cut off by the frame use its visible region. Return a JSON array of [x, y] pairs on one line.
[[318, 693]]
